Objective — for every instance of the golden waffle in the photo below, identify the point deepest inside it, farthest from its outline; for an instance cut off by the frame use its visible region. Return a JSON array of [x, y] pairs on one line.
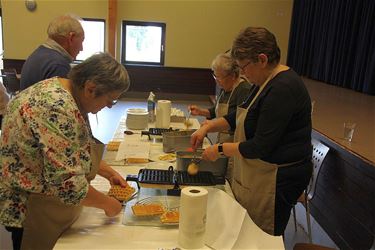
[[113, 145], [147, 209], [193, 168], [121, 193], [170, 217], [168, 157], [136, 160]]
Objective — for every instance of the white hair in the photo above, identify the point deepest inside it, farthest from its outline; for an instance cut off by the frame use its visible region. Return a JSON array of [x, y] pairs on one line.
[[62, 25]]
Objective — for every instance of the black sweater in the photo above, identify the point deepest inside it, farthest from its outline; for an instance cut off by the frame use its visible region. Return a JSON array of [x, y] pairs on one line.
[[278, 125]]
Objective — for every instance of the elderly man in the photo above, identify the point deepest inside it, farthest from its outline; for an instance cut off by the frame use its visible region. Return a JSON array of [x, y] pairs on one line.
[[53, 58]]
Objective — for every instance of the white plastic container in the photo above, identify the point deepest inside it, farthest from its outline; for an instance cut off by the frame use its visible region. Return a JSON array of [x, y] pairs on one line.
[[137, 118]]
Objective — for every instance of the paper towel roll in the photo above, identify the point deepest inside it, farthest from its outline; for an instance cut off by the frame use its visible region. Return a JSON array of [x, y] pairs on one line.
[[192, 222], [163, 114]]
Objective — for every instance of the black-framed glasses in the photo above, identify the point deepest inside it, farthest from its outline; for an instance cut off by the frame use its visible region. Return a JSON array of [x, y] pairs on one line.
[[244, 66]]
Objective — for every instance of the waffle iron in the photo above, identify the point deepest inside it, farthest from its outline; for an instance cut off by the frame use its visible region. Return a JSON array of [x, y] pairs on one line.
[[172, 179], [155, 131]]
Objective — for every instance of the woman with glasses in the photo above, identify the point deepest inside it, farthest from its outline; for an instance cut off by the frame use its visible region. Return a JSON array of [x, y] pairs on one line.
[[234, 89], [272, 141], [48, 154]]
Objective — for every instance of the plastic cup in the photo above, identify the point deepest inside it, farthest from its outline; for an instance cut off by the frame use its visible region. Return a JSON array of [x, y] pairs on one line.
[[349, 130]]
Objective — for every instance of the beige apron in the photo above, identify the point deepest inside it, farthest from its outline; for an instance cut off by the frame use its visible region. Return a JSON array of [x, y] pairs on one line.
[[221, 110], [47, 217], [254, 180]]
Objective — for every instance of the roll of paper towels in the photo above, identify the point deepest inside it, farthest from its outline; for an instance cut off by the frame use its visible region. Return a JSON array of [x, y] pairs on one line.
[[163, 114], [192, 222]]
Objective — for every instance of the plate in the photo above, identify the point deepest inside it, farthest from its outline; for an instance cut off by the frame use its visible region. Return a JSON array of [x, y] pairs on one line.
[[169, 203], [163, 157]]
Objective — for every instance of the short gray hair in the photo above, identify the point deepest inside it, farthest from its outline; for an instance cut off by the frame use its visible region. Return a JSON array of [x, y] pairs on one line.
[[62, 25], [104, 71], [253, 41], [225, 62]]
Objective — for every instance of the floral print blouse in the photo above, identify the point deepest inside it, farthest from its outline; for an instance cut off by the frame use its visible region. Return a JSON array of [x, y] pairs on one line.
[[45, 149]]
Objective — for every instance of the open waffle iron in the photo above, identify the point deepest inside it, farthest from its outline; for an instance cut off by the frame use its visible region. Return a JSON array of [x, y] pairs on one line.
[[172, 179], [155, 131]]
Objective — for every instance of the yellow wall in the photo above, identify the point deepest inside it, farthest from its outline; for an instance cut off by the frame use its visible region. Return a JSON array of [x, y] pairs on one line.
[[197, 30]]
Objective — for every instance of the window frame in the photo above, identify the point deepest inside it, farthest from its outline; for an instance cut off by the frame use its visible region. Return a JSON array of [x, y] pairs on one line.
[[104, 35], [142, 23]]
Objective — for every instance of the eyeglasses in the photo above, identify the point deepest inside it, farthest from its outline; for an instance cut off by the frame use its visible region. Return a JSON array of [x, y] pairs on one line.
[[244, 66], [219, 77]]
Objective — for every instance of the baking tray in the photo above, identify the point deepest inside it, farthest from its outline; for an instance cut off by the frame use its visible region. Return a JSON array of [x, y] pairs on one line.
[[171, 203]]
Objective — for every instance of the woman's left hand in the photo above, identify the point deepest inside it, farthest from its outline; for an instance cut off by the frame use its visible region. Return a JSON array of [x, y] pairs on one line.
[[211, 153], [117, 179]]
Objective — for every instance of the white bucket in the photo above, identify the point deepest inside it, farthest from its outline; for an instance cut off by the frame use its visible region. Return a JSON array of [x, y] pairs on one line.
[[137, 118]]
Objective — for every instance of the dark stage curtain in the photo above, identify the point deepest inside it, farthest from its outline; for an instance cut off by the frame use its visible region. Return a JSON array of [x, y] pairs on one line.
[[334, 41]]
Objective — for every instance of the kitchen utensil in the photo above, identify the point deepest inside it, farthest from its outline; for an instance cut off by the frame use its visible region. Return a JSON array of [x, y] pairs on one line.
[[187, 121], [137, 118], [218, 167], [176, 140]]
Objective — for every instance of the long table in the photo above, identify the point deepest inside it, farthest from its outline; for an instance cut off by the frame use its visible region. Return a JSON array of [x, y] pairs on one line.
[[94, 230]]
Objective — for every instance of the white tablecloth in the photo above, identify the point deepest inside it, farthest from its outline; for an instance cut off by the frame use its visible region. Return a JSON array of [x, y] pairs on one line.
[[94, 230]]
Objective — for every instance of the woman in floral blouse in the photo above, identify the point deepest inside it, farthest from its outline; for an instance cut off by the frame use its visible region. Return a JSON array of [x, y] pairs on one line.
[[47, 152]]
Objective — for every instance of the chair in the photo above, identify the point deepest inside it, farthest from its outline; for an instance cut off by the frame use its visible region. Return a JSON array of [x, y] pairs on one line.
[[309, 246], [319, 153], [10, 81]]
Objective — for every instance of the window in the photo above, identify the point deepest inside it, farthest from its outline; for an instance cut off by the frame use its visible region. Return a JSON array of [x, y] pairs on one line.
[[143, 43], [94, 37]]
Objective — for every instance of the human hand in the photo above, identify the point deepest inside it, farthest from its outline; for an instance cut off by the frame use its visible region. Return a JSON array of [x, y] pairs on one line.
[[197, 138], [113, 207], [211, 153], [117, 179], [194, 109]]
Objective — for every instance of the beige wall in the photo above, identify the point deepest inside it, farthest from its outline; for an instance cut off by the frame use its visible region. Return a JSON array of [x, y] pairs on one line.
[[197, 30]]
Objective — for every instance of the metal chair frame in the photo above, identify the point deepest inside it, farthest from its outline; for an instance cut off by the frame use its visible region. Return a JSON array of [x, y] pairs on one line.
[[319, 153], [10, 81]]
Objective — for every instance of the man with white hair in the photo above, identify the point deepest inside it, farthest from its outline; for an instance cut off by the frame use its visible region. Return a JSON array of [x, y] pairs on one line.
[[53, 57]]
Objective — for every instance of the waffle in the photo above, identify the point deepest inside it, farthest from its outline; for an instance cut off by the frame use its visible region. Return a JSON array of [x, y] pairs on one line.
[[121, 193], [170, 217], [136, 160], [193, 168], [147, 209], [113, 145], [168, 157]]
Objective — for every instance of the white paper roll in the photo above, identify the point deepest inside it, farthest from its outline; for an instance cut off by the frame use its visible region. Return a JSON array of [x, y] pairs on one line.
[[163, 114], [192, 222]]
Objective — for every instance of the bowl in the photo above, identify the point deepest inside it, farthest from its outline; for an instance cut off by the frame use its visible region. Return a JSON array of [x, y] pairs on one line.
[[136, 118]]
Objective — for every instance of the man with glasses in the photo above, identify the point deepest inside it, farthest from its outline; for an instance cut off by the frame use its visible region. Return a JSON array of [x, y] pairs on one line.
[[54, 56]]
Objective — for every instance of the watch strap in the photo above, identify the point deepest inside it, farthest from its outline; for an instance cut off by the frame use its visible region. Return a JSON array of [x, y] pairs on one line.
[[220, 149]]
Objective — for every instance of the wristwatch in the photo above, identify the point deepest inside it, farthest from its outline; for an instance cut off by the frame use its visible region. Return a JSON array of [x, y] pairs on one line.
[[220, 149]]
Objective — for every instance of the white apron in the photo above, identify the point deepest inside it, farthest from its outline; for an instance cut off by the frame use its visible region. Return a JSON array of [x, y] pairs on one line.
[[254, 180], [47, 217]]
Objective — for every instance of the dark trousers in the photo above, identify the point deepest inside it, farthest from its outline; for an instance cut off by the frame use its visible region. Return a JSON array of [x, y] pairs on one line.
[[291, 181], [16, 236]]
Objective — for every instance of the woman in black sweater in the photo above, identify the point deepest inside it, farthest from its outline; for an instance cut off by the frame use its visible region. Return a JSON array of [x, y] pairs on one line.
[[272, 145]]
